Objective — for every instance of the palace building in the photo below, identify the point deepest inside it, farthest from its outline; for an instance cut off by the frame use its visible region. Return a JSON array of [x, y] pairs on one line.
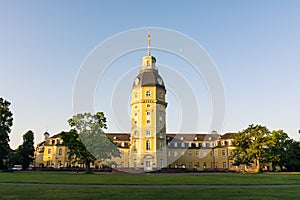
[[148, 147]]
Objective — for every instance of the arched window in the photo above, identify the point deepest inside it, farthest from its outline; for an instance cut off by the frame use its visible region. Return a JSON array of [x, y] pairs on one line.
[[148, 94], [134, 145], [135, 133], [148, 133], [60, 151], [148, 145]]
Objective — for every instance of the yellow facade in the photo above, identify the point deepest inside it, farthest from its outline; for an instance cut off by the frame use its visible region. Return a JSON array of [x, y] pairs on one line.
[[148, 118], [51, 153]]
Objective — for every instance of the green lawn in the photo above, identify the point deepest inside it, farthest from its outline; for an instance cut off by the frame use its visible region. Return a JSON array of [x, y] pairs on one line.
[[30, 192], [92, 192], [150, 179]]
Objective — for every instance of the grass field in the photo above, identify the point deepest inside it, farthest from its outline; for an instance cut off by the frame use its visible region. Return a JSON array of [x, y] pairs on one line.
[[92, 192]]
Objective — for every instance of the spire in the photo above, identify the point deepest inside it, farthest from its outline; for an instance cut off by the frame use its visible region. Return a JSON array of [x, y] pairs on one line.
[[149, 43]]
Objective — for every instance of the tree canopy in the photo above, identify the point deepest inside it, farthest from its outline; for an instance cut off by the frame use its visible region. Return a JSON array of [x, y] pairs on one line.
[[87, 141], [24, 154], [6, 121], [252, 145], [257, 145]]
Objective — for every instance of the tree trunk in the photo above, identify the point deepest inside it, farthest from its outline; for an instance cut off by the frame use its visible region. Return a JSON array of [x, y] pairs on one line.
[[281, 168], [258, 165], [87, 167]]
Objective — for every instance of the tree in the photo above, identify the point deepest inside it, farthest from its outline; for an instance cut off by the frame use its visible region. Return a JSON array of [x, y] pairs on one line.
[[26, 150], [24, 154], [252, 146], [281, 149], [293, 157], [6, 121], [77, 151], [86, 140]]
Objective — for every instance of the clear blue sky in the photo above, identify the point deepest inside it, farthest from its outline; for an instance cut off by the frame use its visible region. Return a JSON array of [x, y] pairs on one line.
[[255, 45]]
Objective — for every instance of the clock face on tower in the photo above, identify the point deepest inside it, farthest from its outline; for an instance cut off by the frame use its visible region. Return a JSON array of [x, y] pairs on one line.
[[136, 81]]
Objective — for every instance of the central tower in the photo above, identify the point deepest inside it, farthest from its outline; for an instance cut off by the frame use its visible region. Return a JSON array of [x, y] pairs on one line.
[[148, 118]]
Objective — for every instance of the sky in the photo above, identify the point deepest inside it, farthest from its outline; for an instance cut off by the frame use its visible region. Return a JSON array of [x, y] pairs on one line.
[[253, 44]]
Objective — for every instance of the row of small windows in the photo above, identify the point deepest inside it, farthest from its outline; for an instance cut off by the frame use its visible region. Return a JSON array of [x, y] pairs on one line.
[[147, 133], [59, 151], [197, 153], [148, 117], [148, 106], [190, 144], [197, 165], [148, 94], [148, 145]]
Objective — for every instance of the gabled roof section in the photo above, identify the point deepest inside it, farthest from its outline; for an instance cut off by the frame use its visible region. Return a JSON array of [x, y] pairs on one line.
[[228, 136]]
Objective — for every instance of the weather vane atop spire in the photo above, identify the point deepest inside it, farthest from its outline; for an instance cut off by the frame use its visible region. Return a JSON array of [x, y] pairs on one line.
[[149, 38]]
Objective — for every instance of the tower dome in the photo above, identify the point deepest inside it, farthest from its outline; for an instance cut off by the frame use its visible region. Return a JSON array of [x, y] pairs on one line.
[[148, 75]]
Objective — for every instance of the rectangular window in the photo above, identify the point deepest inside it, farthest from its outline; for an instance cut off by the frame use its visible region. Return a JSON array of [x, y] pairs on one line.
[[230, 152], [230, 165], [207, 144], [197, 164], [182, 144], [148, 121], [190, 165], [161, 163], [182, 153], [204, 153], [223, 153], [161, 145], [190, 153], [148, 105], [175, 153], [197, 153], [49, 151], [148, 163], [224, 165], [175, 144], [169, 153], [148, 113]]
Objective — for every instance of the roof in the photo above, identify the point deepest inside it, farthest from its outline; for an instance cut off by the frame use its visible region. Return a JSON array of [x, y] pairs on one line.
[[193, 137], [118, 136], [149, 78], [227, 136]]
